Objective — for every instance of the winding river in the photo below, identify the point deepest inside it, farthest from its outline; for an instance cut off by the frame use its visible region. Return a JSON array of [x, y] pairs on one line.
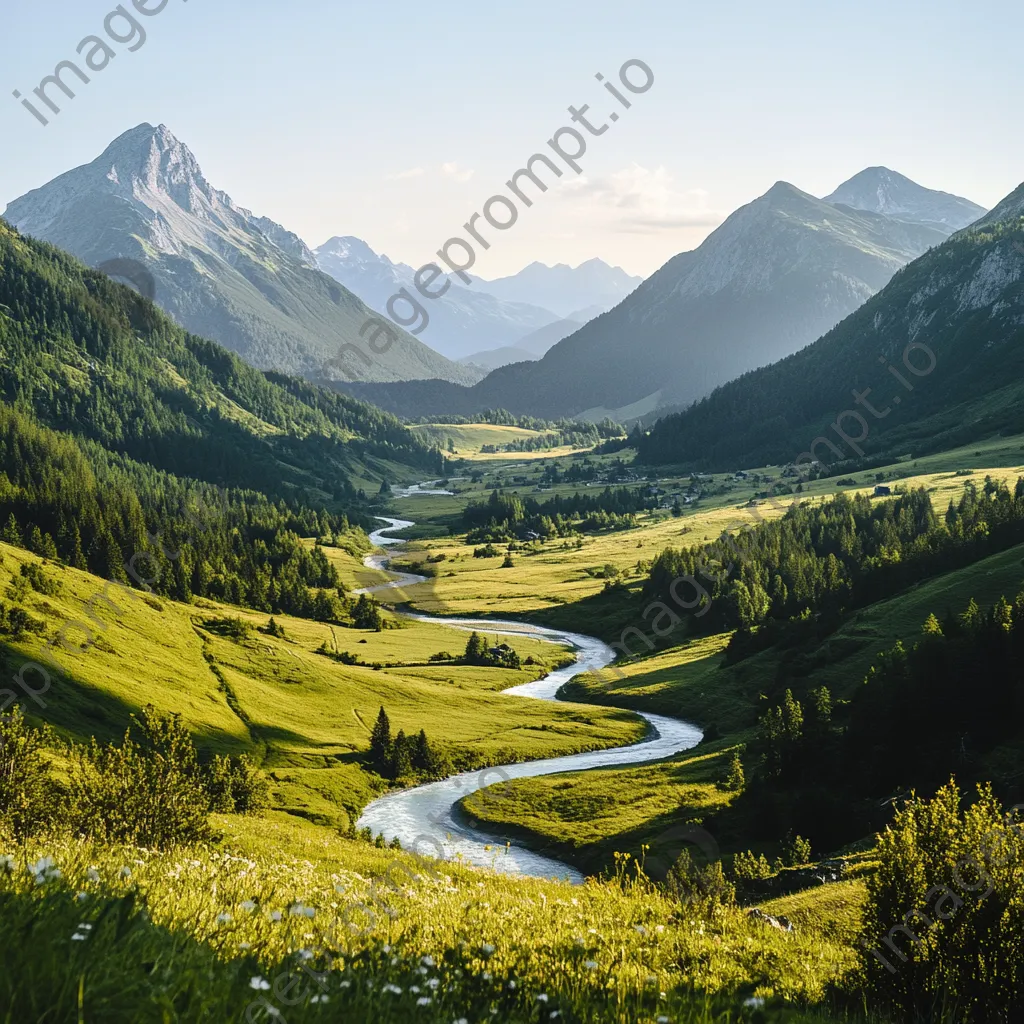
[[423, 818]]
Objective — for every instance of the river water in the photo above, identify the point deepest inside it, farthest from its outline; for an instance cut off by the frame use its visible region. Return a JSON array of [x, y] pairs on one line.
[[422, 818]]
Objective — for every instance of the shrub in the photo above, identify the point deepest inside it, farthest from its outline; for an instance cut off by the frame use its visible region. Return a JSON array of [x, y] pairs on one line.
[[26, 788], [749, 868], [151, 793], [232, 627], [236, 785], [703, 887], [944, 919], [795, 850], [38, 580]]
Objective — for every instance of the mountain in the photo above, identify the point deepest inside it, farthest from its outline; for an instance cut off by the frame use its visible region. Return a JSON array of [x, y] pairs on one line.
[[964, 300], [879, 190], [462, 321], [220, 272], [778, 274], [546, 338], [97, 362], [563, 289]]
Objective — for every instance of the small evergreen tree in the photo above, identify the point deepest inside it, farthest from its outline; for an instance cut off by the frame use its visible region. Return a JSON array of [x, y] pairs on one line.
[[380, 742], [423, 757], [401, 756], [476, 650], [735, 778]]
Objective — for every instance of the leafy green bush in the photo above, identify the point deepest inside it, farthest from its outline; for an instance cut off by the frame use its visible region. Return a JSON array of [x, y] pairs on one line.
[[944, 920], [151, 793], [236, 785], [26, 793], [750, 868]]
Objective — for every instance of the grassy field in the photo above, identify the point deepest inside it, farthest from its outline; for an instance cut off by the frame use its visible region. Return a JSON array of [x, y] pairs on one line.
[[307, 717], [469, 439], [318, 928]]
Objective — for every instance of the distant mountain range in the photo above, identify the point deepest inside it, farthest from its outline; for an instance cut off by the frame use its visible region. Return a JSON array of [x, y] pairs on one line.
[[565, 290], [778, 274], [961, 307], [467, 323], [462, 321], [220, 272]]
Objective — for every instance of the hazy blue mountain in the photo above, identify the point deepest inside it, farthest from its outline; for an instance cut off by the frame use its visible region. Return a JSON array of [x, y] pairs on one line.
[[462, 321], [565, 290], [880, 190], [778, 274]]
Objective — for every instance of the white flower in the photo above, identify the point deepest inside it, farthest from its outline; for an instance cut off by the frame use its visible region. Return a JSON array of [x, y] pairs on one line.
[[275, 915], [754, 1002], [81, 896], [662, 1020], [245, 945], [392, 988], [92, 875], [387, 948], [639, 928], [590, 964], [461, 1020], [423, 1001], [486, 975], [305, 954], [414, 989], [248, 905], [428, 960], [345, 984], [554, 1013], [542, 998], [432, 983], [223, 919], [258, 983], [320, 999], [512, 984], [125, 872], [41, 866], [487, 948], [6, 862]]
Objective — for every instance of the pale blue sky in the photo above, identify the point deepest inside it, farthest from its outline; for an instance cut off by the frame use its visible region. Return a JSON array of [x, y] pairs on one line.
[[367, 119]]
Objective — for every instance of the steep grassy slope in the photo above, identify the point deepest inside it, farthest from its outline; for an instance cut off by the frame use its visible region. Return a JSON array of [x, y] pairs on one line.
[[111, 651]]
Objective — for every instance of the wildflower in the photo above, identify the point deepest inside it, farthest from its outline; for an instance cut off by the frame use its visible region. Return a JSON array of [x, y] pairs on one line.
[[590, 964], [754, 1002], [432, 983], [81, 896], [275, 915], [245, 945], [248, 905], [259, 984], [512, 985], [423, 1001], [392, 988], [428, 961], [125, 872], [320, 999], [487, 948], [662, 1020], [542, 997], [92, 875], [554, 1013], [461, 1020], [6, 862], [224, 918], [305, 954], [414, 989], [487, 975], [639, 929]]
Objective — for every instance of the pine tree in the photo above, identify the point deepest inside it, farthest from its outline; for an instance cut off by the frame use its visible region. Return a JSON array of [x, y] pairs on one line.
[[12, 532], [932, 626], [476, 650], [380, 742], [423, 757], [401, 756], [736, 778]]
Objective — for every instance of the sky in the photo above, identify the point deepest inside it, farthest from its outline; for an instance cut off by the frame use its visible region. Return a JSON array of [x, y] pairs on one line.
[[395, 122]]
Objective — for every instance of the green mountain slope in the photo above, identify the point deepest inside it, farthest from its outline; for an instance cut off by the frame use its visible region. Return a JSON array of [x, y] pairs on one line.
[[964, 300]]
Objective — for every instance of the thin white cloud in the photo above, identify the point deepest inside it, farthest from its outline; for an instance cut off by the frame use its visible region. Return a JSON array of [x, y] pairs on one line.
[[639, 200], [460, 174], [413, 172]]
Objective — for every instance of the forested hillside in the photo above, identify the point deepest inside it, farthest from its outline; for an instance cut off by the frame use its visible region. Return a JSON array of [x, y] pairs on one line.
[[135, 450]]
